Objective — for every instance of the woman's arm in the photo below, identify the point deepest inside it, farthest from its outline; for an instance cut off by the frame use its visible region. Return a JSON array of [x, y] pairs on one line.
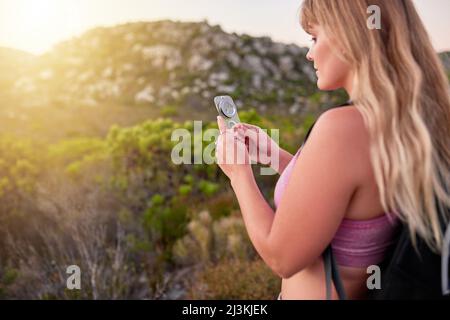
[[314, 202], [285, 157], [257, 214]]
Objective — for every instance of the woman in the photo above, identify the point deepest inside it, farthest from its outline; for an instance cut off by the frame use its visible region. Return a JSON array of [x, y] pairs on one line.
[[365, 165]]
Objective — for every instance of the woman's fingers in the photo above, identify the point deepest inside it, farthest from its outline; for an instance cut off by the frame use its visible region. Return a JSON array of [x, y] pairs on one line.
[[221, 123], [247, 126], [230, 147], [247, 135]]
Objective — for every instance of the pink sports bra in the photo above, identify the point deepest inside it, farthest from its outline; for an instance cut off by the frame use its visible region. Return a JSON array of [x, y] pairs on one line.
[[357, 243]]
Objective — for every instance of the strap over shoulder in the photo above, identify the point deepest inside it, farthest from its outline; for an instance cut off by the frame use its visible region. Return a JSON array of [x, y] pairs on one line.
[[331, 267], [312, 126], [444, 261], [332, 275]]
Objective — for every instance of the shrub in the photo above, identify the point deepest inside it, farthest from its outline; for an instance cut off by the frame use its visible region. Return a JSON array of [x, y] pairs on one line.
[[235, 279], [212, 241], [169, 111], [208, 188], [165, 222]]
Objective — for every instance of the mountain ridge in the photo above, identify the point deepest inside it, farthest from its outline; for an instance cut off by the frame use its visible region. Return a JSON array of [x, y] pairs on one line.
[[168, 63], [163, 63]]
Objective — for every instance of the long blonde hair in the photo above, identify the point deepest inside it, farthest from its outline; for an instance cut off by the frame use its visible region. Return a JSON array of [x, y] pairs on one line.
[[402, 92]]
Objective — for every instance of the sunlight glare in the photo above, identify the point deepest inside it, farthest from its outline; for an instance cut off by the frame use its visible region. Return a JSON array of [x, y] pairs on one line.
[[35, 23]]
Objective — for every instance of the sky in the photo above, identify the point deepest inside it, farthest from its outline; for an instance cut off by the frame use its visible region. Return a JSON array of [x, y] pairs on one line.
[[36, 25]]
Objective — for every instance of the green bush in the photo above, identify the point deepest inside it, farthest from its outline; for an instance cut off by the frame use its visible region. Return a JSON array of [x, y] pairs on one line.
[[7, 278], [222, 205], [20, 168], [165, 221], [169, 111], [184, 189], [126, 201], [208, 188], [71, 150]]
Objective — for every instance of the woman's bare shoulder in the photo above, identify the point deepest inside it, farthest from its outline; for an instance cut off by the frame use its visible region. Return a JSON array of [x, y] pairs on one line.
[[347, 118], [344, 113], [348, 122]]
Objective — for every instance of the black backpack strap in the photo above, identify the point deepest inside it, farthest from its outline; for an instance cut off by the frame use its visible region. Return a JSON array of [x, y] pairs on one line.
[[312, 126], [331, 268], [328, 273], [309, 132], [444, 263], [332, 275]]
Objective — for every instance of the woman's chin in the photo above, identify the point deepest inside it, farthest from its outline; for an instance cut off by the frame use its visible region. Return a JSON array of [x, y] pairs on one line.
[[321, 85]]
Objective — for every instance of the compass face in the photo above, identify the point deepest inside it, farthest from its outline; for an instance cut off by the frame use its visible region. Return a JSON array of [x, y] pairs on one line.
[[228, 109]]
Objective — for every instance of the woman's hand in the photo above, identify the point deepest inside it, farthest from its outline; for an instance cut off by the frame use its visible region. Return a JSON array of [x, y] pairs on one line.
[[262, 148], [231, 152], [259, 145]]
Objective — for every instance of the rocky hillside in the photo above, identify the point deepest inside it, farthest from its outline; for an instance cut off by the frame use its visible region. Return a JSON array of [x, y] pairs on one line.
[[169, 63], [13, 63], [165, 63]]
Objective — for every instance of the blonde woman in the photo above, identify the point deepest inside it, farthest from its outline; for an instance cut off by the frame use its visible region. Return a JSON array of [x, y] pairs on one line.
[[366, 166]]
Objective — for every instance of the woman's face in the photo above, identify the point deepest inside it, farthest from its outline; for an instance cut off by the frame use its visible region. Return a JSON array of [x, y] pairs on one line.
[[332, 72]]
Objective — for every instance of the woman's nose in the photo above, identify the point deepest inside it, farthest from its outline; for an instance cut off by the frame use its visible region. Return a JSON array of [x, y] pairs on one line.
[[309, 56]]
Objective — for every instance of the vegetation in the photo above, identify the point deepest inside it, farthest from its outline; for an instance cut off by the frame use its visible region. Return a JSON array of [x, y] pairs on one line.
[[131, 219]]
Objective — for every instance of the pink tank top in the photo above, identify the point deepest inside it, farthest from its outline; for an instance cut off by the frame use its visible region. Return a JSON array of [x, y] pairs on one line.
[[357, 243]]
